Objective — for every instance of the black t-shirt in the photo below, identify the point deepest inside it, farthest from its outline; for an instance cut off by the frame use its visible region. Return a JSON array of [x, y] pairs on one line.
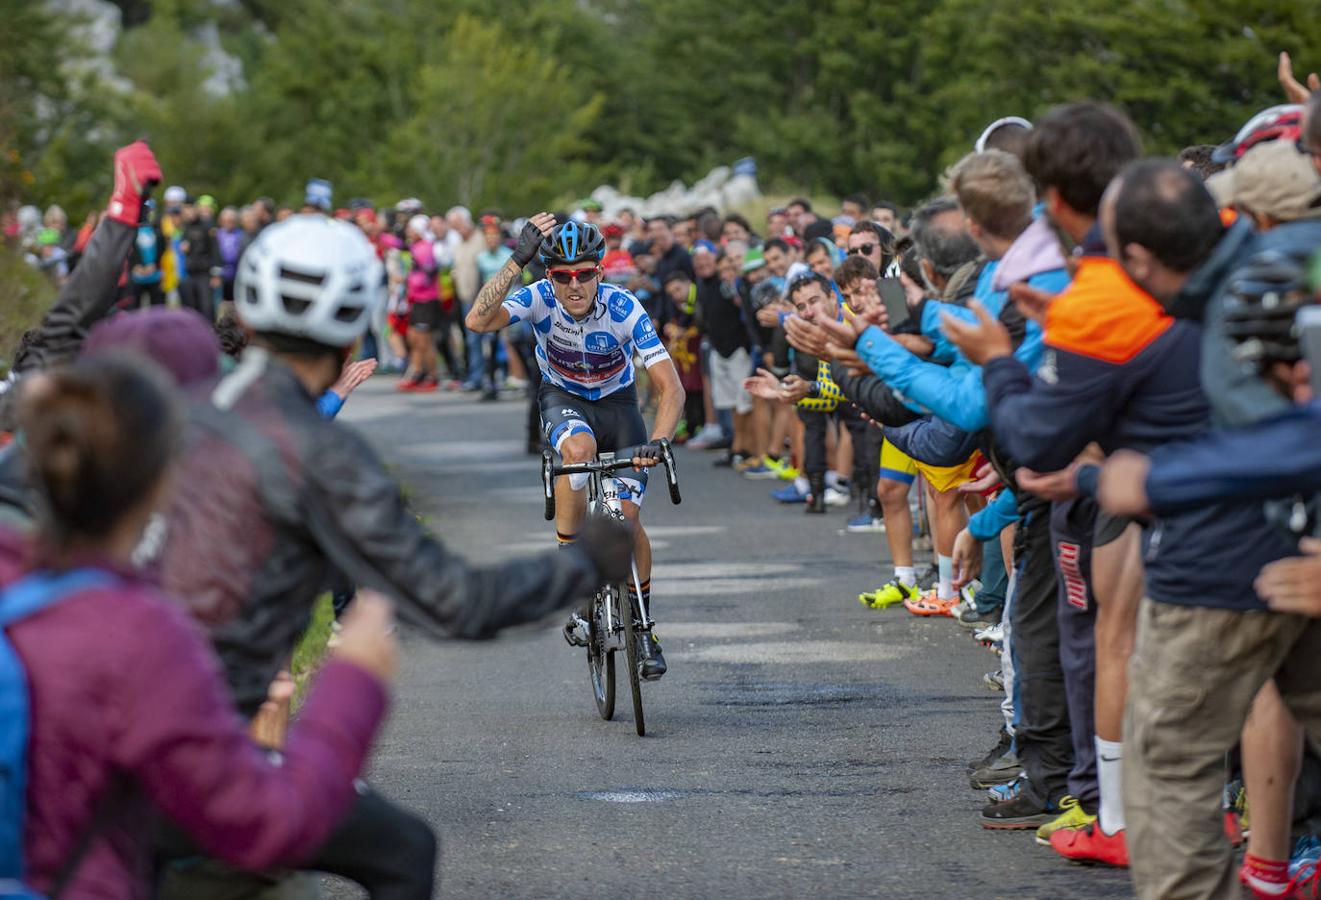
[[723, 318], [676, 260]]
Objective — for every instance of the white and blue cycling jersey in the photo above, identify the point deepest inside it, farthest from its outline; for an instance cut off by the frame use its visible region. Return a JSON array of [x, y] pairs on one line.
[[592, 358]]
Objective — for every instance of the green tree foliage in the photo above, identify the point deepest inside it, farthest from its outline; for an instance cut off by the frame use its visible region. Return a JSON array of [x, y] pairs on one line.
[[495, 122], [544, 99]]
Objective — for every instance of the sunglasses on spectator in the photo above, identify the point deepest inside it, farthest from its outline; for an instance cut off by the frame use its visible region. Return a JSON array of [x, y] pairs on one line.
[[568, 276], [864, 249]]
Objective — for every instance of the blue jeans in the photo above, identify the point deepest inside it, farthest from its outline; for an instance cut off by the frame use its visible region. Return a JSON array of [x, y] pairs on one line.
[[995, 579]]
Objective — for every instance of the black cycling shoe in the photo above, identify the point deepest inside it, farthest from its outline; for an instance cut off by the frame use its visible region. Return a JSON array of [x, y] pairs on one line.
[[651, 662]]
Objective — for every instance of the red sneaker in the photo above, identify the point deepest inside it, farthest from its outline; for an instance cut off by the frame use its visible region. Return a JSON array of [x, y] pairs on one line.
[[1090, 844], [407, 384], [426, 386]]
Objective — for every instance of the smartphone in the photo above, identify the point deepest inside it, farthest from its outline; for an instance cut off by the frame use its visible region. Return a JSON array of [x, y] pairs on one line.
[[1308, 323], [896, 302]]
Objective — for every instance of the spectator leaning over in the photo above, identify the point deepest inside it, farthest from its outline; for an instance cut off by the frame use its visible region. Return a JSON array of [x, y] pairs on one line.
[[810, 387], [100, 436]]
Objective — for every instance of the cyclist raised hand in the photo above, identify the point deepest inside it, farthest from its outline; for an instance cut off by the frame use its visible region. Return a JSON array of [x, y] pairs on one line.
[[587, 333]]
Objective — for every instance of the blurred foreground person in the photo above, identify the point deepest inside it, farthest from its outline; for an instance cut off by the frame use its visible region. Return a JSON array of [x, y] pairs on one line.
[[127, 708]]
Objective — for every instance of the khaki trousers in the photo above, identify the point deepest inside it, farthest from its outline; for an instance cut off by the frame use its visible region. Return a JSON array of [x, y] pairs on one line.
[[1192, 678]]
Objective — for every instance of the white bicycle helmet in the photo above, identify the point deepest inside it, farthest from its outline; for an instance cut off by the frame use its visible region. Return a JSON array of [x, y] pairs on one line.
[[311, 277]]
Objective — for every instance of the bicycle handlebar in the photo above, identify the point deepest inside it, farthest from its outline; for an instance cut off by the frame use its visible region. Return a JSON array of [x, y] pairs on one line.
[[623, 459]]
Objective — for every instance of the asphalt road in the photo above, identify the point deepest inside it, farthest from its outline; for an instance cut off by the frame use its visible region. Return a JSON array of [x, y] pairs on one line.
[[800, 745]]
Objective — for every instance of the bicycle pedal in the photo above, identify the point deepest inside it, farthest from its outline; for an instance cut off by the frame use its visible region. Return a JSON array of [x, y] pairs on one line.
[[576, 631]]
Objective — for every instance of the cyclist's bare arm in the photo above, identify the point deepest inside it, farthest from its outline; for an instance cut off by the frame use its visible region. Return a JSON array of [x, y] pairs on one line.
[[669, 399], [488, 312]]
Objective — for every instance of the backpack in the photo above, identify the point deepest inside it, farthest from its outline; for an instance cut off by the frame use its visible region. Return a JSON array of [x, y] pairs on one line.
[[23, 598]]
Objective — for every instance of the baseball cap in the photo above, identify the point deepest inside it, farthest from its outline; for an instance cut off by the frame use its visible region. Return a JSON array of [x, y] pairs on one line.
[[319, 193], [590, 205], [207, 200], [1275, 179], [1273, 123], [174, 195], [613, 230], [753, 260]]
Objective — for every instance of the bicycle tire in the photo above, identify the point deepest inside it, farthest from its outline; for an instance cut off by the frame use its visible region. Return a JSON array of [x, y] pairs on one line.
[[601, 664], [626, 614]]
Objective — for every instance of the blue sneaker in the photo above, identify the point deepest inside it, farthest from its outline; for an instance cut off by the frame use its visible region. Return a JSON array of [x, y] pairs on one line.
[[1002, 793], [759, 472], [865, 524], [1306, 858], [789, 494]]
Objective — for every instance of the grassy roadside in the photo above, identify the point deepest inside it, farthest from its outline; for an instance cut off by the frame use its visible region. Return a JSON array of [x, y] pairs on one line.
[[25, 295], [312, 648]]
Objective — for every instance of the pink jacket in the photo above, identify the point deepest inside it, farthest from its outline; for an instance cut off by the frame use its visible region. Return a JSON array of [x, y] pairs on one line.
[[125, 686], [421, 284]]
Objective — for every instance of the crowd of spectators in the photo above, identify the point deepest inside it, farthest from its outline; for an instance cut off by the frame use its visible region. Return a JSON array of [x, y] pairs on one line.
[[1084, 372]]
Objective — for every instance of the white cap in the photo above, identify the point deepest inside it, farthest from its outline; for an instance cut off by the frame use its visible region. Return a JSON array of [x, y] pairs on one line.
[[175, 194]]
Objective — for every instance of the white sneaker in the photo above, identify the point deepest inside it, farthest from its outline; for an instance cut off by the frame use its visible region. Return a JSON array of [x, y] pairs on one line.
[[836, 498], [991, 634], [707, 436]]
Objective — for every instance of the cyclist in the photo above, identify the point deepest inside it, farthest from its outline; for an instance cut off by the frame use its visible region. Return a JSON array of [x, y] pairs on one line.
[[587, 332]]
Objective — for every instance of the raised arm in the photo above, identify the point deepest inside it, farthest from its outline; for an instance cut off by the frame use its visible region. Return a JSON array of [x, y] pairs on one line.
[[488, 312], [94, 285]]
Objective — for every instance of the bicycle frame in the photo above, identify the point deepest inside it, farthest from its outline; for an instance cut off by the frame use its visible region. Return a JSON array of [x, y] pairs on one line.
[[612, 634], [603, 490]]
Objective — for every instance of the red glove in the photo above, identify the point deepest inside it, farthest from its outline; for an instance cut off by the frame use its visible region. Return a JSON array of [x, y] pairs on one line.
[[136, 171]]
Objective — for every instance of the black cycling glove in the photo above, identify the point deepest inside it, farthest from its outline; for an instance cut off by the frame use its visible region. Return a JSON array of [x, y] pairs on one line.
[[529, 241], [649, 451]]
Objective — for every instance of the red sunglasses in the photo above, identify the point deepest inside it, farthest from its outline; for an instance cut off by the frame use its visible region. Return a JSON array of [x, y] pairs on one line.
[[568, 276]]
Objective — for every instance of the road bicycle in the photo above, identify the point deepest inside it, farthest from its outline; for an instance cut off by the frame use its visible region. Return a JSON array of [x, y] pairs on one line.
[[612, 606]]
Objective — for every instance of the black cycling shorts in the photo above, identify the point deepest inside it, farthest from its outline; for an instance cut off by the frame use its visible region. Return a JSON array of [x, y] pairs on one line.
[[424, 316], [614, 421]]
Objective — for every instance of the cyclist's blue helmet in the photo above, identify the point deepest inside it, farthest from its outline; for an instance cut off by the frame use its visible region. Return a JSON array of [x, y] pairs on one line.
[[572, 242]]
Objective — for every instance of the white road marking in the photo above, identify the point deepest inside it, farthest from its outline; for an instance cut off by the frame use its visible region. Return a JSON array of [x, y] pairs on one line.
[[793, 652]]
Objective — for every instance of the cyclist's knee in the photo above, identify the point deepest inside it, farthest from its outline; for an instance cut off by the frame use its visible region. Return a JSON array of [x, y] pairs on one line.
[[578, 448]]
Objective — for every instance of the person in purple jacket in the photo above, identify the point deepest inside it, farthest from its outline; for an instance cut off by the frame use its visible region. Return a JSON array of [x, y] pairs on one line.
[[129, 708]]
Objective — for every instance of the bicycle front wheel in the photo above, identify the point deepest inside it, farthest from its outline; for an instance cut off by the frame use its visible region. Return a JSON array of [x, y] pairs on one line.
[[600, 661], [628, 615]]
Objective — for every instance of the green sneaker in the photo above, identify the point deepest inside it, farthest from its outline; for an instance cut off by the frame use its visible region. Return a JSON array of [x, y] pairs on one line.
[[892, 593], [1071, 819]]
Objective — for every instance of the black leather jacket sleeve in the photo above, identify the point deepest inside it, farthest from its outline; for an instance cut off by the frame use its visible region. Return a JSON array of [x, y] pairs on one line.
[[367, 530], [873, 396], [85, 299]]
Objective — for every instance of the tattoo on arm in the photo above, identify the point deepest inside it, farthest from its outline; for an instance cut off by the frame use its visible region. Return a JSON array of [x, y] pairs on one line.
[[494, 291]]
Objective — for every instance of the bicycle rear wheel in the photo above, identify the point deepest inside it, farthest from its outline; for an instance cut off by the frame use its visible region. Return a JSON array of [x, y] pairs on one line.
[[600, 661], [627, 614]]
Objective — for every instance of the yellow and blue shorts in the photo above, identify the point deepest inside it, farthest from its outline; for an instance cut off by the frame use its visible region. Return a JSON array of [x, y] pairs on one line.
[[899, 466]]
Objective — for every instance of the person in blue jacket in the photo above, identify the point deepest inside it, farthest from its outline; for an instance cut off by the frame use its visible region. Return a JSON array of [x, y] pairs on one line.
[[997, 197], [1120, 370]]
